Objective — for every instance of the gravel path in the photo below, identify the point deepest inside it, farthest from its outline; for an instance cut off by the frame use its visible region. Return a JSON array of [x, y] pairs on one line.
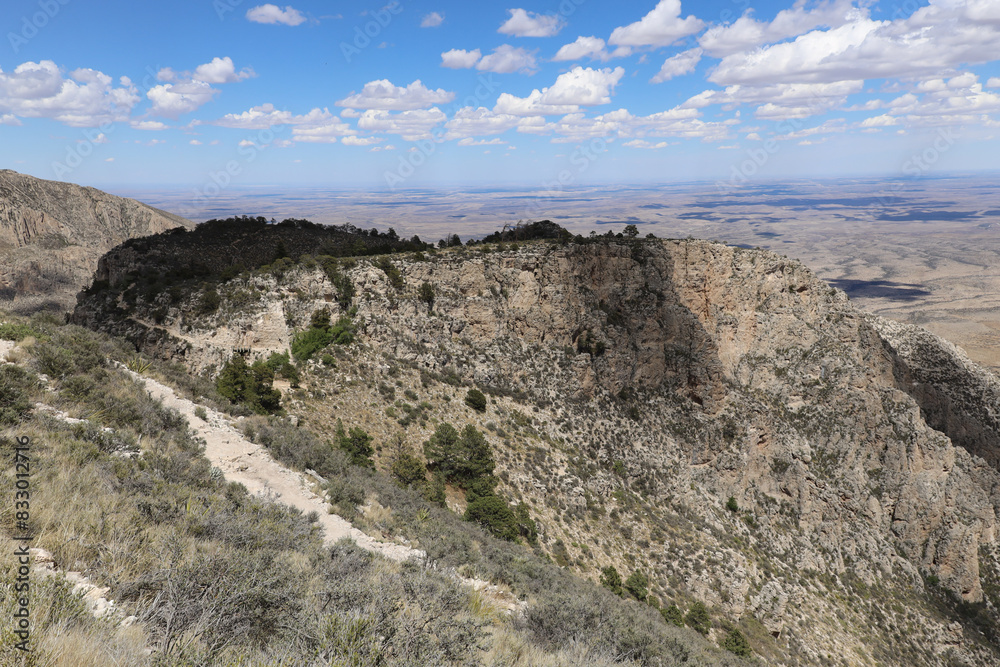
[[251, 465]]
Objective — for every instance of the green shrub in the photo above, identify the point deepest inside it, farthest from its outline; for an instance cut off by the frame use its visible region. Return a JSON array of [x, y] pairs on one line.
[[281, 364], [249, 385], [435, 492], [15, 383], [476, 400], [637, 585], [493, 514], [735, 642], [461, 457], [209, 302], [698, 618], [427, 294], [356, 443], [673, 614], [321, 333], [731, 505], [525, 524], [408, 469], [16, 332], [611, 580], [391, 272]]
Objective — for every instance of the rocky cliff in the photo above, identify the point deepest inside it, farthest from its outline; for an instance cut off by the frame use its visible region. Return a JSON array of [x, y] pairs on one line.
[[52, 234], [715, 417]]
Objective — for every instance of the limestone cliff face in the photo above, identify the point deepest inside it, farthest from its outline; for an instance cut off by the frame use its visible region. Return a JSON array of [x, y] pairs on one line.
[[661, 379], [52, 234]]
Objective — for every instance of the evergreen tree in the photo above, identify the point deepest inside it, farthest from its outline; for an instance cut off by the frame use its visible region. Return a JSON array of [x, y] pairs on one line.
[[611, 580], [357, 444]]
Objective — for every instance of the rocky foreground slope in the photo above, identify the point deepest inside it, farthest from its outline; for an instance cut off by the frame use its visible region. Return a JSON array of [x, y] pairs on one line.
[[52, 234], [715, 417]]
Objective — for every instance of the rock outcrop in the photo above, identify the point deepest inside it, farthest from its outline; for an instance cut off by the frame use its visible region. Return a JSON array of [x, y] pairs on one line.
[[638, 386], [52, 234]]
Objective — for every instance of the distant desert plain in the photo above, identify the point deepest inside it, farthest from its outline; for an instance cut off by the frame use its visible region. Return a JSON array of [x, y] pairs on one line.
[[924, 251]]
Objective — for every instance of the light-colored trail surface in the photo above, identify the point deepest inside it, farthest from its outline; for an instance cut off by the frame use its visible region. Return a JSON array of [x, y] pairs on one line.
[[252, 466]]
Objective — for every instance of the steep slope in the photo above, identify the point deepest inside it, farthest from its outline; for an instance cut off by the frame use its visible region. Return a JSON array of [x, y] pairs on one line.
[[52, 234], [714, 417]]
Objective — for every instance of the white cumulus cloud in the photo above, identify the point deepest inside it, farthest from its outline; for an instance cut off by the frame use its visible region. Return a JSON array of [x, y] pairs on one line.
[[272, 14], [432, 20], [529, 24], [460, 59], [589, 47], [747, 33], [221, 70], [660, 27], [382, 94], [506, 59], [85, 98], [571, 90], [678, 65]]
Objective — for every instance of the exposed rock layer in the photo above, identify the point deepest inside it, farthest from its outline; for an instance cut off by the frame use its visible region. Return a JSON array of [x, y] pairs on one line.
[[52, 234], [862, 454]]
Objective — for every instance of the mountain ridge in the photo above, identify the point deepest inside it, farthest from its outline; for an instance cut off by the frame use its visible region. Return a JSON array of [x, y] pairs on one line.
[[656, 379], [52, 234]]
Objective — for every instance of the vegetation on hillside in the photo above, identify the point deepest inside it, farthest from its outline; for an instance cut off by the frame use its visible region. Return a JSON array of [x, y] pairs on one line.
[[215, 576]]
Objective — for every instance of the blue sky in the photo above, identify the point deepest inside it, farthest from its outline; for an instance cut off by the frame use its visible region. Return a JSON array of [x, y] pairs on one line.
[[231, 93]]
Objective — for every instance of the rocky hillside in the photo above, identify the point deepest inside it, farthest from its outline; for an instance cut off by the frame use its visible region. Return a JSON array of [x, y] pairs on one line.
[[52, 234], [714, 417]]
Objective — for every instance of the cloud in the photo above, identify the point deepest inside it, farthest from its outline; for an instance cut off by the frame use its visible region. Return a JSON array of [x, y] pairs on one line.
[[935, 38], [571, 90], [221, 70], [412, 125], [432, 20], [86, 98], [661, 27], [781, 100], [529, 24], [589, 47], [994, 82], [265, 115], [174, 100], [148, 125], [959, 100], [272, 14], [468, 141], [382, 94], [195, 142], [884, 120], [361, 141], [678, 65], [506, 59], [642, 143], [747, 33], [460, 59], [327, 132], [189, 91], [110, 159], [471, 122]]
